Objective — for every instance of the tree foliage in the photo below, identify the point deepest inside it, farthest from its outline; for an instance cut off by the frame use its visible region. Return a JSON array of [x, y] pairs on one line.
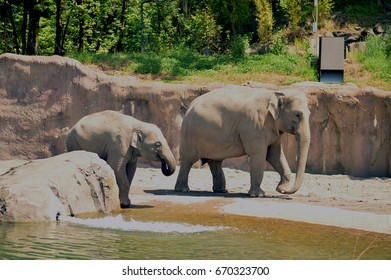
[[264, 16], [102, 26]]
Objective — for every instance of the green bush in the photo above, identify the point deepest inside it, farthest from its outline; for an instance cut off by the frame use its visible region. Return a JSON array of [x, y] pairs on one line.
[[365, 14], [264, 17], [375, 57], [375, 46], [279, 43], [388, 46], [201, 31], [239, 46]]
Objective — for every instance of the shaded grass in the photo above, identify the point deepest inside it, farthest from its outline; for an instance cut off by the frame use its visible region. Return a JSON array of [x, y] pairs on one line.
[[364, 15], [369, 68], [187, 66], [376, 59]]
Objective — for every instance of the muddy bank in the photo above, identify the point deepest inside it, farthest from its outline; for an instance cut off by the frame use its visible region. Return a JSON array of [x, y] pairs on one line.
[[338, 200], [40, 97]]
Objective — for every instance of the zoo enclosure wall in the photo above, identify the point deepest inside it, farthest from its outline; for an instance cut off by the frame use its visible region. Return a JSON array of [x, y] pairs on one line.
[[40, 97]]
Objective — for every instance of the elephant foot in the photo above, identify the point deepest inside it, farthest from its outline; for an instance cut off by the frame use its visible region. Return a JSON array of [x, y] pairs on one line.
[[219, 190], [182, 188], [282, 187], [125, 205], [256, 193]]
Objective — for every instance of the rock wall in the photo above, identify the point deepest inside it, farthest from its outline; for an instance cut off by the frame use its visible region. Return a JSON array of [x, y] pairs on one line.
[[350, 130], [40, 97]]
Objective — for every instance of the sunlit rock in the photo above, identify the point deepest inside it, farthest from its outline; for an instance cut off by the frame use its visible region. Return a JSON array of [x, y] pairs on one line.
[[68, 184]]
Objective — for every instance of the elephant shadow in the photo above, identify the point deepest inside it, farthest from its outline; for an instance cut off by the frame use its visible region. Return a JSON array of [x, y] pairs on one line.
[[211, 194], [134, 206]]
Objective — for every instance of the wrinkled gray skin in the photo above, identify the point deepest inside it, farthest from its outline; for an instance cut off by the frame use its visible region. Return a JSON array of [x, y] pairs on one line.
[[237, 121], [120, 140]]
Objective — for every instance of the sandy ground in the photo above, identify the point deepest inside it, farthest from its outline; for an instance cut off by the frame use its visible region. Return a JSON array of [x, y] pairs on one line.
[[336, 200]]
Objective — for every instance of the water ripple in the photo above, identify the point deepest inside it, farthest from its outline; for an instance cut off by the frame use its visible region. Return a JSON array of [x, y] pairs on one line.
[[119, 223]]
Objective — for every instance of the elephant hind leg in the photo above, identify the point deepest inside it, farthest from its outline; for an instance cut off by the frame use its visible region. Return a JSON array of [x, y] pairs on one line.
[[218, 176], [182, 182]]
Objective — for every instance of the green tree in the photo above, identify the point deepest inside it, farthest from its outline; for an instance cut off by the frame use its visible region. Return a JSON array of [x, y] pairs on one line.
[[301, 10], [264, 16], [64, 11], [297, 12], [201, 31], [120, 32], [133, 25], [8, 40], [233, 15], [324, 10]]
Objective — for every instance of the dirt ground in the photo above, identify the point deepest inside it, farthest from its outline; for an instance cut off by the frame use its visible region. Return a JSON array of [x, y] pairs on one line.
[[336, 200]]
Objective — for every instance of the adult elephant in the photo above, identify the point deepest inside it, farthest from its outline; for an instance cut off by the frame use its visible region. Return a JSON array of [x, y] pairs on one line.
[[120, 140], [236, 121]]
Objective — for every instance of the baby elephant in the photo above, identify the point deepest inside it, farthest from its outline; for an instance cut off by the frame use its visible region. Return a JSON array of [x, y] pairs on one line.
[[120, 140]]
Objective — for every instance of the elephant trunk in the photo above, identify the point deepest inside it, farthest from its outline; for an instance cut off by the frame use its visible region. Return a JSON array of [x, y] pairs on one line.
[[303, 144], [168, 163]]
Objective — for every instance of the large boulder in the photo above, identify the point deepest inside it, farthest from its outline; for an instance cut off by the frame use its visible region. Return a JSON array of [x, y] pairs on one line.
[[68, 184]]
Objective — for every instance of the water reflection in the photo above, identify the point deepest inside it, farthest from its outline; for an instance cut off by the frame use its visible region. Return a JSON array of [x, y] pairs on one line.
[[241, 238], [118, 222]]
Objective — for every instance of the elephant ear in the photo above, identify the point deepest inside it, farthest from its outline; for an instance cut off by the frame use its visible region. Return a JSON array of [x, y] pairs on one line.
[[137, 139], [276, 104]]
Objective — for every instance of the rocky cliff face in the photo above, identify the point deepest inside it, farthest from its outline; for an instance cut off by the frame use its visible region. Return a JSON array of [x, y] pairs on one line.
[[40, 97], [350, 130]]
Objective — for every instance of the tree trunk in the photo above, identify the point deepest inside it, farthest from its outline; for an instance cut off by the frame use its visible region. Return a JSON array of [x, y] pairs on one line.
[[57, 44], [119, 46], [5, 43], [64, 32], [81, 29], [32, 39], [26, 5], [142, 27], [14, 32], [186, 7]]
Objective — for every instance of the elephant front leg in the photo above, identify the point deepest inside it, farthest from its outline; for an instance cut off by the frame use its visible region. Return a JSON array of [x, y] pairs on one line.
[[257, 168], [124, 187], [218, 176], [130, 171], [277, 159], [119, 167]]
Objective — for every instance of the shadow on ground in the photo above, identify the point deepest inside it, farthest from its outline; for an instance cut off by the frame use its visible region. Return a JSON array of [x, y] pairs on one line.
[[210, 194]]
